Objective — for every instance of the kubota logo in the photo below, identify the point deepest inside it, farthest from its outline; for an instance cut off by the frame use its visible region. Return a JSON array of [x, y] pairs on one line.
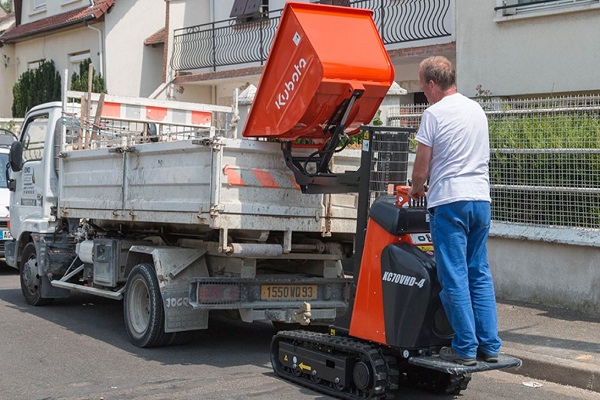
[[290, 85]]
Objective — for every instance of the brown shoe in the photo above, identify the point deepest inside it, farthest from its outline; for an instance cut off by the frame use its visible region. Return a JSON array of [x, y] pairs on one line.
[[448, 354]]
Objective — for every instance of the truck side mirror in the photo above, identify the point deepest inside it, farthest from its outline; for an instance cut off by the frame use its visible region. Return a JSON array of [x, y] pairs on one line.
[[15, 157]]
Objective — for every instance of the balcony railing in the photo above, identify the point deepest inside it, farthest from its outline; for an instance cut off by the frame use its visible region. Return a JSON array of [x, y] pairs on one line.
[[230, 42]]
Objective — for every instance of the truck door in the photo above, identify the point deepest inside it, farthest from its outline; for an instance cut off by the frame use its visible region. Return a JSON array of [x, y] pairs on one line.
[[31, 182]]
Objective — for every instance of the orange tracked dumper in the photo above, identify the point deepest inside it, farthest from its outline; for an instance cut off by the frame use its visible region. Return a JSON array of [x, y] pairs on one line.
[[318, 88], [326, 76]]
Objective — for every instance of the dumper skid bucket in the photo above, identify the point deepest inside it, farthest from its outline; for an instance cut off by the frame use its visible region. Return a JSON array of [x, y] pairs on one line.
[[326, 75]]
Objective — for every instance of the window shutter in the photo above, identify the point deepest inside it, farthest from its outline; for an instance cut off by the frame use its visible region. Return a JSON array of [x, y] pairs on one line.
[[253, 6], [238, 8], [246, 8]]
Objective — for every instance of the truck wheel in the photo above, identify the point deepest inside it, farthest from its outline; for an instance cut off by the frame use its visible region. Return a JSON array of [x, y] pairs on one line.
[[30, 280], [143, 308]]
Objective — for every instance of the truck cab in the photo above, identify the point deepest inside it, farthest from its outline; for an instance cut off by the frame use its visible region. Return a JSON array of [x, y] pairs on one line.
[[34, 192]]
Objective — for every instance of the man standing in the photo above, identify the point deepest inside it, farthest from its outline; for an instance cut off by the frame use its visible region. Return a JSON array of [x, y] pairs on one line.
[[453, 151]]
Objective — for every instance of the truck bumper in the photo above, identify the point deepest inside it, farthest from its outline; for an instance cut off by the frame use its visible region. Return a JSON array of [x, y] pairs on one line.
[[272, 298], [10, 247]]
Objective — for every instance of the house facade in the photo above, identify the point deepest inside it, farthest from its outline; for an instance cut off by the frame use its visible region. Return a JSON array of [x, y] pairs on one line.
[[112, 33], [215, 46], [518, 48], [512, 48], [202, 50]]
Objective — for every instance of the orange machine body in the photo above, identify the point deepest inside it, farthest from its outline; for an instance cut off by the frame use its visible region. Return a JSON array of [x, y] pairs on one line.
[[368, 318], [319, 57], [397, 292]]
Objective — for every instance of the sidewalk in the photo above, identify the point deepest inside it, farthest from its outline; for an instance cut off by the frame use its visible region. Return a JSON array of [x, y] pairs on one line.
[[555, 345]]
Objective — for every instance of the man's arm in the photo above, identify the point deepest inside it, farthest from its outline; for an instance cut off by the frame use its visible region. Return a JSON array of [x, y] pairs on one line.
[[420, 170]]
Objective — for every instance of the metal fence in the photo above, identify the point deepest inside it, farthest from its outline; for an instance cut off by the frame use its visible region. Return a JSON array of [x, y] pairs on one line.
[[233, 42], [544, 162]]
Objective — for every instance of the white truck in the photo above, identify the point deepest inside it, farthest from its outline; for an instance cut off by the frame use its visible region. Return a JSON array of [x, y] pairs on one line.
[[160, 204]]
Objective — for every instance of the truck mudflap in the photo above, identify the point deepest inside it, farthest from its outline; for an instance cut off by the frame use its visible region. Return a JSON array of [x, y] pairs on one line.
[[273, 298]]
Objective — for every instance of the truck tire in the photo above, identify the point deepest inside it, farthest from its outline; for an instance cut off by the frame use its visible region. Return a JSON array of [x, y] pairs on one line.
[[143, 308], [31, 283]]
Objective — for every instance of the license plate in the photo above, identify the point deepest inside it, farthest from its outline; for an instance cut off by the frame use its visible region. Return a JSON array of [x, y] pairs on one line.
[[6, 235], [288, 292]]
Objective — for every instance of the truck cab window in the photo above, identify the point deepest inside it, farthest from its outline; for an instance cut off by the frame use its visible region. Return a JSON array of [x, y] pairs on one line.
[[34, 137], [3, 162]]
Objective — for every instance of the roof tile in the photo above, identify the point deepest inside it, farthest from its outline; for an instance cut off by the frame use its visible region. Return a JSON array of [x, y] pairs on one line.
[[156, 38], [58, 21]]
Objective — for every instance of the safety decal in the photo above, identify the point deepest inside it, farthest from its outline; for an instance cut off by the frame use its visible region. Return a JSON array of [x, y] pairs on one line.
[[257, 177]]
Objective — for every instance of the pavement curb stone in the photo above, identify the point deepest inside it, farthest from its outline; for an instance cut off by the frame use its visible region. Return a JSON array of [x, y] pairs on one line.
[[555, 345], [552, 369]]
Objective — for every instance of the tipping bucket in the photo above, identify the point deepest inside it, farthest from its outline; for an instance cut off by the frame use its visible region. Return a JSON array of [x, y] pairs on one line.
[[320, 56]]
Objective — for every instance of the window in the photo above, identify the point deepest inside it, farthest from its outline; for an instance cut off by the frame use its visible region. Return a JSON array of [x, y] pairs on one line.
[[512, 7], [75, 60], [34, 138], [34, 64], [3, 162], [37, 5]]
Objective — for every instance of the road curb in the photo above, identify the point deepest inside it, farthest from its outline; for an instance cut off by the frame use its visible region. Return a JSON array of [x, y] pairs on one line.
[[557, 370]]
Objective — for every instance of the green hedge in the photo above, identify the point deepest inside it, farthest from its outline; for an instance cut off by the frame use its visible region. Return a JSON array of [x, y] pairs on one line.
[[43, 84], [36, 86]]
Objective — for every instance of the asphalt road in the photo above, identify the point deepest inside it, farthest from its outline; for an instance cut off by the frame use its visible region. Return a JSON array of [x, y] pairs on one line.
[[77, 348]]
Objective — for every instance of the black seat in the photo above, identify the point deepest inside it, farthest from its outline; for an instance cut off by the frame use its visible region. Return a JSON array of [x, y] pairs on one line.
[[399, 220]]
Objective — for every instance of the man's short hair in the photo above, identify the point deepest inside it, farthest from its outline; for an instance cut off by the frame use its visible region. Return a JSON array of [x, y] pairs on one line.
[[439, 70]]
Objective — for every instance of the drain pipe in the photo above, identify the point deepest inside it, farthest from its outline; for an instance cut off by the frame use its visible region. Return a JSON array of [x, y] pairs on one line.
[[100, 50]]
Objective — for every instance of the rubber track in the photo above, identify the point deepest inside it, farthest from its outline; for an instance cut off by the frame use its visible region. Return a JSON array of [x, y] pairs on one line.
[[385, 374]]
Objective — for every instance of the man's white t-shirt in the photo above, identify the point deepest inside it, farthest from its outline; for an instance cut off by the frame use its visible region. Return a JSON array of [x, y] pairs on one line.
[[457, 130]]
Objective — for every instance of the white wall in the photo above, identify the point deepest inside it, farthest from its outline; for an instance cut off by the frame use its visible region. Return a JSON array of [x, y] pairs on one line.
[[56, 47], [129, 67], [547, 54], [53, 7], [7, 74], [194, 94], [186, 13], [133, 69], [546, 273]]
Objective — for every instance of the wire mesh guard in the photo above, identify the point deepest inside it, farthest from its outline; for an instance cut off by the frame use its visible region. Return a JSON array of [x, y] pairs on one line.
[[544, 161], [389, 160]]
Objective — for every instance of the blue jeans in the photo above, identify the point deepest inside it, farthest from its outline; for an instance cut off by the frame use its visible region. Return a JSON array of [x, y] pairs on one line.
[[459, 232]]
